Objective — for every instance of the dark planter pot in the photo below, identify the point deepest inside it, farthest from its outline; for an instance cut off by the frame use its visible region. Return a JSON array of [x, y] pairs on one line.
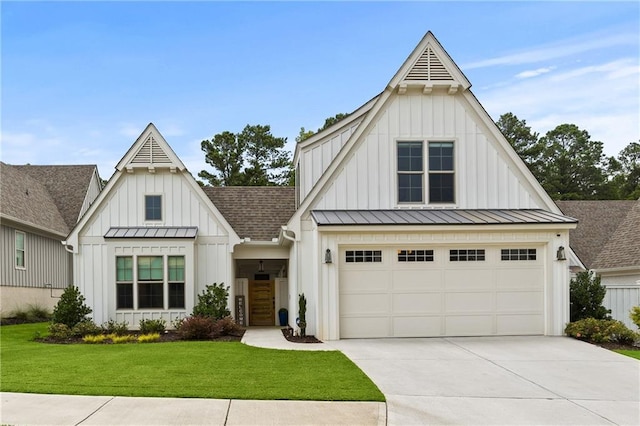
[[283, 315]]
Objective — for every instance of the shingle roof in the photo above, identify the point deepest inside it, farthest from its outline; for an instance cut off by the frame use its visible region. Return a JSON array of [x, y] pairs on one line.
[[623, 248], [256, 212], [67, 186], [47, 197], [598, 222], [438, 217]]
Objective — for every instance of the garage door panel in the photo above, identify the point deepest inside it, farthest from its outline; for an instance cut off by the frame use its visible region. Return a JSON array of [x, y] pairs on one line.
[[367, 327], [364, 304], [469, 325], [520, 324], [520, 301], [469, 302], [441, 297], [357, 281], [468, 279], [519, 278], [413, 303], [416, 279], [417, 326]]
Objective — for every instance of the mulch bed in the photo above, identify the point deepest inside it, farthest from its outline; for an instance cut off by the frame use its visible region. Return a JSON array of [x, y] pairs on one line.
[[292, 337]]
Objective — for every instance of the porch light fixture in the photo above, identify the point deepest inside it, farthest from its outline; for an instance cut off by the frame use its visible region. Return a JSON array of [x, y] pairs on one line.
[[327, 256], [560, 254], [261, 266]]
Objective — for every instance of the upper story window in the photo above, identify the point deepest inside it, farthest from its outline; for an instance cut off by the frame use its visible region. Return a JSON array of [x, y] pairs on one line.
[[20, 251], [410, 172], [153, 207], [441, 172]]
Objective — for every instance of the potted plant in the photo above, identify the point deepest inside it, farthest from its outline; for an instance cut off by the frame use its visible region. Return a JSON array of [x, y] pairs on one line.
[[283, 314]]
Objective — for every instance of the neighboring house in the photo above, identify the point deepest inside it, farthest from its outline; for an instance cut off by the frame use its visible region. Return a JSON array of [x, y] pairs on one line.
[[39, 205], [607, 241], [413, 216]]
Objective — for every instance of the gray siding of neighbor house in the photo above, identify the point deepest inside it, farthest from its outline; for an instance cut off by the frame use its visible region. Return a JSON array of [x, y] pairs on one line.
[[46, 261]]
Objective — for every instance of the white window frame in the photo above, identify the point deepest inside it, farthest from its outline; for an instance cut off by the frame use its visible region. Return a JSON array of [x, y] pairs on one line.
[[24, 250], [162, 209], [165, 282], [430, 172], [422, 173]]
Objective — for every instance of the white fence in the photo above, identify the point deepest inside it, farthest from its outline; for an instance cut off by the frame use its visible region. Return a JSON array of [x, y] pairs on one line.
[[620, 298]]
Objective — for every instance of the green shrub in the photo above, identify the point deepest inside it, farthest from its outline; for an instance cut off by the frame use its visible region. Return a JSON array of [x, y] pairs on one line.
[[97, 338], [33, 313], [152, 326], [586, 296], [117, 328], [127, 338], [635, 315], [601, 331], [85, 328], [197, 328], [149, 338], [59, 331], [70, 309], [213, 302]]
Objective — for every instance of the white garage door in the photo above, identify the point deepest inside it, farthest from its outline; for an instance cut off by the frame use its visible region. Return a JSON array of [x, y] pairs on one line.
[[441, 291]]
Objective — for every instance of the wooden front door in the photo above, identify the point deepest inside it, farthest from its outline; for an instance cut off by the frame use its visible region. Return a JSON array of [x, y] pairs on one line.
[[261, 303]]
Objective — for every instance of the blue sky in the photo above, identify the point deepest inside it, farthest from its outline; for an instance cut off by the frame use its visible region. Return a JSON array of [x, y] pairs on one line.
[[81, 80]]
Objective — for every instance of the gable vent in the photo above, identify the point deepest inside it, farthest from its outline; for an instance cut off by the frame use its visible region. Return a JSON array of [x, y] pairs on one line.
[[429, 67], [151, 153]]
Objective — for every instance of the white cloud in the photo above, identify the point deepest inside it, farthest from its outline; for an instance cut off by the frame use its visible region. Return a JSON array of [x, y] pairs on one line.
[[561, 49], [602, 99], [534, 73]]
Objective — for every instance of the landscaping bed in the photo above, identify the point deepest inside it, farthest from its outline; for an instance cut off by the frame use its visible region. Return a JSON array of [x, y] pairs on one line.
[[289, 334]]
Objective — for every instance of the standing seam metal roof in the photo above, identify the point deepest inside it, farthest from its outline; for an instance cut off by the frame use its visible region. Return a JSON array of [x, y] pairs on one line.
[[152, 232], [438, 217]]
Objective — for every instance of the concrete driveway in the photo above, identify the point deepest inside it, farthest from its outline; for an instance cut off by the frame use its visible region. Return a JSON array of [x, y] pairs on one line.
[[499, 380]]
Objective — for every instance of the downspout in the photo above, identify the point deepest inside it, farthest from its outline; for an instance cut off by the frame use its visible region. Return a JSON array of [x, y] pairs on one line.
[[66, 246], [293, 313]]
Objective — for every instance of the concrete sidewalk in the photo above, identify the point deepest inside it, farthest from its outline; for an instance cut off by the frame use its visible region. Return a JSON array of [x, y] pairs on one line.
[[35, 409]]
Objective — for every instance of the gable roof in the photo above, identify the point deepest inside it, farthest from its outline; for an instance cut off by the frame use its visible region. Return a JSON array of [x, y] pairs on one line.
[[256, 212], [150, 151], [48, 198], [430, 52], [599, 221]]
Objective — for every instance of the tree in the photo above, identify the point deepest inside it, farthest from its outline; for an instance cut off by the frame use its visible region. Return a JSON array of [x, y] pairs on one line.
[[70, 309], [586, 294], [572, 165], [328, 122], [624, 172], [522, 139], [253, 157]]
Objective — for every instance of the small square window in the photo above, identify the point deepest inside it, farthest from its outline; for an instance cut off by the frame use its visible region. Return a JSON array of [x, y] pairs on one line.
[[153, 207]]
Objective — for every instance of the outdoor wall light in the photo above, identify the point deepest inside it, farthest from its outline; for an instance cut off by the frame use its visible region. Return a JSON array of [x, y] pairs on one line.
[[560, 254], [327, 256], [261, 266]]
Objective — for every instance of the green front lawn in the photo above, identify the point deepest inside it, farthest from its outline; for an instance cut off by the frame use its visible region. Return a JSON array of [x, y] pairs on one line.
[[224, 370], [632, 353]]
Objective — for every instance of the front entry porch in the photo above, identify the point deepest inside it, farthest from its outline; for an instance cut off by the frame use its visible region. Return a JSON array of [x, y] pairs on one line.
[[261, 290]]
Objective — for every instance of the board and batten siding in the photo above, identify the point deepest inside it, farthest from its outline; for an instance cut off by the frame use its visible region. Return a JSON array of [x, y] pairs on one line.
[[180, 205], [485, 176], [623, 293], [315, 158], [46, 261]]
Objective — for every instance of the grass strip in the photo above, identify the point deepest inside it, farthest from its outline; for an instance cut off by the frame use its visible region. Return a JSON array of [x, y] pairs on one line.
[[222, 370], [631, 353]]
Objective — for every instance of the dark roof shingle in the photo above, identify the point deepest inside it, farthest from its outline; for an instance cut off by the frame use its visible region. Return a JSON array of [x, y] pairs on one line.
[[623, 248], [256, 212], [598, 222], [46, 197]]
